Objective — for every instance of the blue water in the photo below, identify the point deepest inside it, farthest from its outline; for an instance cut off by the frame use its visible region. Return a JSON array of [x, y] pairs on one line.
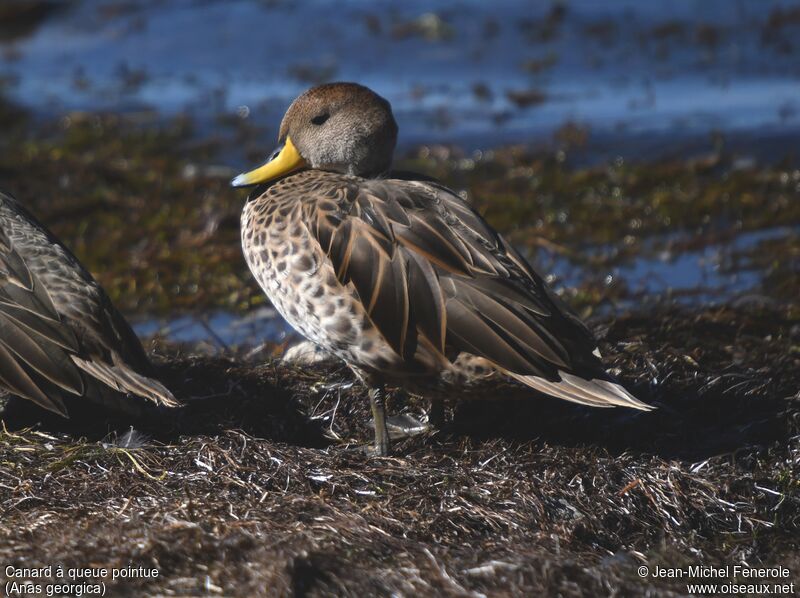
[[616, 66], [645, 78], [708, 273], [221, 330], [705, 274]]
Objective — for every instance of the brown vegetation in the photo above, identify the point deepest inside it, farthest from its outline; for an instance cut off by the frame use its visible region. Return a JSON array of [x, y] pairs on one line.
[[247, 492]]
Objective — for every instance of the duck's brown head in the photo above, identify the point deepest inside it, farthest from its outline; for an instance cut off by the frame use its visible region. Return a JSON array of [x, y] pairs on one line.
[[341, 127]]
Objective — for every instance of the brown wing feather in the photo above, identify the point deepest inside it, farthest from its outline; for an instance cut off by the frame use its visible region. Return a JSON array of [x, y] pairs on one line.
[[424, 263], [438, 281], [54, 320], [34, 343]]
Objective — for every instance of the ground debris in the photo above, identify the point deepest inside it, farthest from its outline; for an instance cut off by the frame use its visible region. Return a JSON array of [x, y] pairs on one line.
[[247, 493]]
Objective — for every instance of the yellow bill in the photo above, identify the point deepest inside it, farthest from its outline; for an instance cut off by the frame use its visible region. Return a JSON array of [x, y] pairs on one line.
[[288, 160]]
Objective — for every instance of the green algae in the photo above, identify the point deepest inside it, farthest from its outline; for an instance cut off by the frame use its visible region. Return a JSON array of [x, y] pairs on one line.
[[144, 204], [136, 206]]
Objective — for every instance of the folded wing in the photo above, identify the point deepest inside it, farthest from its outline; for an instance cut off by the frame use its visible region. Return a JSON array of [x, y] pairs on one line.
[[57, 326], [430, 270]]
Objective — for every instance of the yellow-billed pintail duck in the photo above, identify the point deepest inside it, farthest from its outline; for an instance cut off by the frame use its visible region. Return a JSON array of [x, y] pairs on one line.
[[400, 277], [61, 339]]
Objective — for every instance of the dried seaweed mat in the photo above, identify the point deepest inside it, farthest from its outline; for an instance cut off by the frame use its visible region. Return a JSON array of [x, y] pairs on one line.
[[256, 488]]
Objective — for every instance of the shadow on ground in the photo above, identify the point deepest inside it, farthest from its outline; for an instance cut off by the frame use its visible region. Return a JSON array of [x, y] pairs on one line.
[[251, 489], [722, 379]]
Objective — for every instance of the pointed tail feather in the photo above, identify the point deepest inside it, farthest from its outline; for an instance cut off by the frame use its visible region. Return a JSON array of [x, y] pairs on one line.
[[122, 378], [595, 392]]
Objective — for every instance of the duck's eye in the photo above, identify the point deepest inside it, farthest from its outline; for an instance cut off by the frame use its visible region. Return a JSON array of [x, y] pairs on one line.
[[320, 118]]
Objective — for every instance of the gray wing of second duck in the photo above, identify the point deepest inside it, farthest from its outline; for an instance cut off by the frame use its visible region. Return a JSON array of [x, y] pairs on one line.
[[60, 335]]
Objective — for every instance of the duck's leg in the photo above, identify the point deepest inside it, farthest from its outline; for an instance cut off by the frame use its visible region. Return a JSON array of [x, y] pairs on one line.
[[377, 402], [436, 414]]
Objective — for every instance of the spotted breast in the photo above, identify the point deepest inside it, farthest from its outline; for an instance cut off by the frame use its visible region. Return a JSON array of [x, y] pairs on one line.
[[299, 278]]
